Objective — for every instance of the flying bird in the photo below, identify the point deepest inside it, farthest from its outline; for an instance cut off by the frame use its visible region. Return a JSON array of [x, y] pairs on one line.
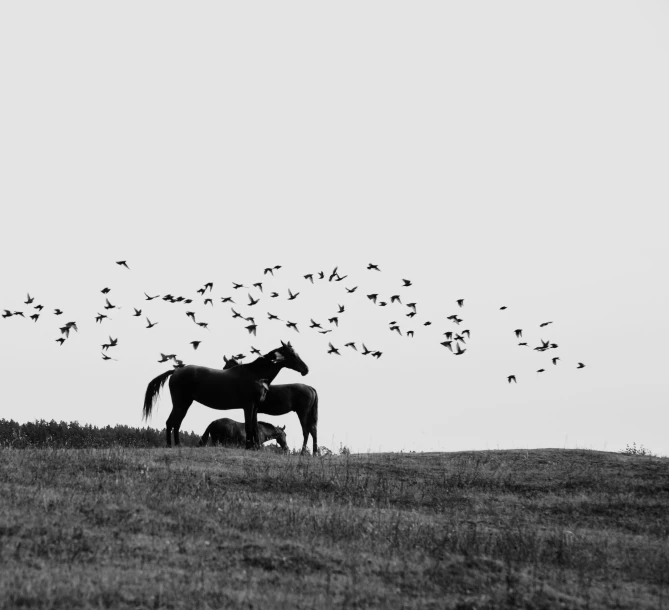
[[519, 332], [459, 351], [580, 365], [209, 301], [409, 333], [56, 312], [365, 351], [150, 324], [235, 314], [447, 344], [138, 312], [407, 283], [105, 290], [341, 308], [333, 350], [236, 286], [226, 300], [268, 270], [412, 306], [100, 317], [351, 344], [291, 296], [292, 325], [310, 277], [271, 316], [503, 307], [554, 360], [333, 274], [258, 285], [512, 378], [191, 315], [274, 295], [395, 297], [372, 297], [374, 267], [164, 358], [544, 324], [252, 301], [108, 305], [123, 264], [195, 344], [540, 370], [314, 324], [334, 320], [460, 302], [105, 357], [34, 317], [202, 324], [148, 298], [351, 290], [397, 328], [377, 354], [209, 285], [427, 323], [60, 340], [252, 329]]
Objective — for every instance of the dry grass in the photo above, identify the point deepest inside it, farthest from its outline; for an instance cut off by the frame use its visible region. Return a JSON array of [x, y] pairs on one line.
[[218, 528]]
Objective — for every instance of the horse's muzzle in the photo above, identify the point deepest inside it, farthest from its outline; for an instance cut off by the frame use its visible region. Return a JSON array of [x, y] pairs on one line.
[[304, 371]]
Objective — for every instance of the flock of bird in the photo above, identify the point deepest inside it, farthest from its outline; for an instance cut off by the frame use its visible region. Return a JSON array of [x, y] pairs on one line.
[[454, 340]]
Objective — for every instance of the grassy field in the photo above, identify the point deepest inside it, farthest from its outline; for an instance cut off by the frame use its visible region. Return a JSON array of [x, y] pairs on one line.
[[219, 528]]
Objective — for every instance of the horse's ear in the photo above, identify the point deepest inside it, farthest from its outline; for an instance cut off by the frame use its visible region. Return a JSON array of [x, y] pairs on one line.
[[289, 345], [284, 345], [225, 359], [284, 427]]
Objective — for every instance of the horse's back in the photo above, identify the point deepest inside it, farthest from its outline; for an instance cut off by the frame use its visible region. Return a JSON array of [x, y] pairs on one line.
[[283, 398]]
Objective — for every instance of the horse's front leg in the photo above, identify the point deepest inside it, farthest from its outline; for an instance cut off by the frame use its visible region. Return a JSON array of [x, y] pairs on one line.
[[249, 425]]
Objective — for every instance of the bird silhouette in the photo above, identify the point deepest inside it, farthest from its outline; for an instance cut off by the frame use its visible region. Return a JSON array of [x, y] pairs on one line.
[[271, 316], [377, 354], [7, 314], [209, 285], [321, 275], [411, 314], [123, 264], [292, 325], [138, 312], [519, 332], [412, 306], [580, 365], [39, 307], [235, 314], [105, 290], [351, 290], [150, 324], [256, 351], [522, 344], [226, 300], [351, 344], [29, 299], [333, 274], [274, 295], [459, 351], [108, 305], [105, 357], [148, 298], [395, 298], [371, 266], [554, 360], [333, 349], [512, 378], [195, 344], [334, 320], [325, 332], [203, 324], [372, 297], [397, 328], [407, 283], [448, 335], [466, 332], [252, 329], [191, 315], [460, 302], [34, 317], [252, 301], [447, 344], [544, 324], [201, 291], [365, 351], [291, 296], [310, 277], [341, 308], [540, 370], [60, 340], [382, 303], [503, 307], [258, 285], [428, 323], [409, 333], [268, 270], [100, 317], [56, 312], [236, 286], [314, 324], [209, 301], [164, 358]]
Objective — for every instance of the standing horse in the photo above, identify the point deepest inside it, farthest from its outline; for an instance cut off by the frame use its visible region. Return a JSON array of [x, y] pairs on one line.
[[222, 390], [282, 399], [229, 432]]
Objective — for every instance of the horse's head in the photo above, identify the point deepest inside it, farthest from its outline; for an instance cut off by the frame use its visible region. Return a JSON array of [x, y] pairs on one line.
[[289, 357], [230, 363], [280, 437]]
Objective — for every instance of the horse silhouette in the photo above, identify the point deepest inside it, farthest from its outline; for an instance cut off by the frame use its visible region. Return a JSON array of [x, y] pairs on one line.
[[284, 398], [235, 388], [228, 432]]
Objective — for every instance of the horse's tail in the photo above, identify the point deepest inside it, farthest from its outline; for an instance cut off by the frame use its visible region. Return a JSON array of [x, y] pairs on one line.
[[152, 391], [205, 437]]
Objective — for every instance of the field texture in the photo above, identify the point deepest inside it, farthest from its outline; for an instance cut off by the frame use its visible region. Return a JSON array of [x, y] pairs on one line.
[[220, 528]]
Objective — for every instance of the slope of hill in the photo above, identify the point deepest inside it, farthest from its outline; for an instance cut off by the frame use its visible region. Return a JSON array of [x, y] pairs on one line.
[[214, 527]]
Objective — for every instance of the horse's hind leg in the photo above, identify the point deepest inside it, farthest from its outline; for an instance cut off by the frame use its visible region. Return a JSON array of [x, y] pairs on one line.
[[179, 409]]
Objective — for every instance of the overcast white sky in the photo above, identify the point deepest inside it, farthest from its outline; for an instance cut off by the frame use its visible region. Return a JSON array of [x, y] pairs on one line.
[[506, 153]]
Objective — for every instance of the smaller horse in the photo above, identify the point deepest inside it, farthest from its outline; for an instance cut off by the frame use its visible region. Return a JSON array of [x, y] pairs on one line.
[[228, 432]]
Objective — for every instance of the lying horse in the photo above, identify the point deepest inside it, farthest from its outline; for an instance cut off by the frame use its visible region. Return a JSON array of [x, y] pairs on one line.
[[226, 431], [228, 389], [282, 399]]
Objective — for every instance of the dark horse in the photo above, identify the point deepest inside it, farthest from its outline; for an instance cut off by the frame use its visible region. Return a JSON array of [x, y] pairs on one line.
[[229, 432], [282, 399], [228, 389]]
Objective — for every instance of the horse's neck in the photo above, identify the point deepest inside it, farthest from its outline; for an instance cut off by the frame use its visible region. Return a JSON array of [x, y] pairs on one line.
[[264, 368]]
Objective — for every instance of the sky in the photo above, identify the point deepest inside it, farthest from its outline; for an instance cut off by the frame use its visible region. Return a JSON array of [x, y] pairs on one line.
[[508, 154]]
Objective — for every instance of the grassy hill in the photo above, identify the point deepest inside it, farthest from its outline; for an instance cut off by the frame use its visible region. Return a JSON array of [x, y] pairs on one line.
[[218, 528]]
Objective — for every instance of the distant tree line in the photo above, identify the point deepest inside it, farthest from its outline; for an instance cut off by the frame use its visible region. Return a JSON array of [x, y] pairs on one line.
[[44, 433]]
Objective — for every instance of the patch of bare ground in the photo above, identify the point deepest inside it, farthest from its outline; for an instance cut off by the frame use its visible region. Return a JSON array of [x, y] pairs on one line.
[[222, 528]]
